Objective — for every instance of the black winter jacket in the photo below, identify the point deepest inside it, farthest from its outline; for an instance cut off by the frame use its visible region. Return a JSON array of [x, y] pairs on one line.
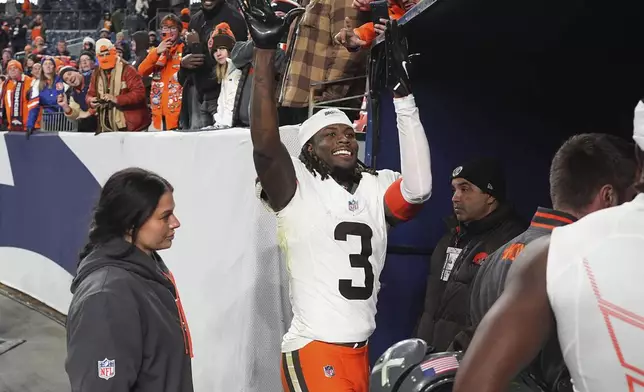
[[446, 311], [124, 329], [203, 23], [242, 57], [548, 369]]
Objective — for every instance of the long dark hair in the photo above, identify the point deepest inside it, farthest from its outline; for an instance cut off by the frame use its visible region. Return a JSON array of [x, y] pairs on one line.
[[127, 200]]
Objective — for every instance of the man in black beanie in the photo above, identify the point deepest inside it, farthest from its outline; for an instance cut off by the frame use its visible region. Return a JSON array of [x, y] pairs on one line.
[[482, 222]]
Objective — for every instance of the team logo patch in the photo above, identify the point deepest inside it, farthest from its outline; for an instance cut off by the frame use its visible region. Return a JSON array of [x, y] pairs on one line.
[[106, 369], [353, 205], [457, 171], [329, 371]]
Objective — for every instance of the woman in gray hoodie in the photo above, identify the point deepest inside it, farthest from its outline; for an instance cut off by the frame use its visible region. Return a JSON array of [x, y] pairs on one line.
[[126, 329]]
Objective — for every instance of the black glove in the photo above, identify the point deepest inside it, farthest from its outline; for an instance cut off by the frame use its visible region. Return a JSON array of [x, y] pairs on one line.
[[266, 29], [398, 59]]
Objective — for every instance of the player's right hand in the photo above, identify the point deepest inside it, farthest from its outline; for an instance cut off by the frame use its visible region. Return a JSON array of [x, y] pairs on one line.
[[93, 103], [266, 28]]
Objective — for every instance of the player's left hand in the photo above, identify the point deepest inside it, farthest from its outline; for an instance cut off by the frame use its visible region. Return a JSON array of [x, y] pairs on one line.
[[398, 60], [264, 26]]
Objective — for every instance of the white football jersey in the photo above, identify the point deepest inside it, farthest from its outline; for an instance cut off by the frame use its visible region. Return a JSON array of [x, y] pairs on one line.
[[595, 289], [335, 245]]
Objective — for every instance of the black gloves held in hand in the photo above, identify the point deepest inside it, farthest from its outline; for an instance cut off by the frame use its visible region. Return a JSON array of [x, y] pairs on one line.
[[266, 29], [398, 59]]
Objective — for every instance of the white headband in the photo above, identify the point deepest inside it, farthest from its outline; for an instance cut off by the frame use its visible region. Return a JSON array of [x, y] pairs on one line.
[[638, 125], [320, 120]]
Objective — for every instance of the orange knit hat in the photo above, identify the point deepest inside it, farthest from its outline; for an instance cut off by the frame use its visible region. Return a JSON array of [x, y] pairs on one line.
[[222, 36]]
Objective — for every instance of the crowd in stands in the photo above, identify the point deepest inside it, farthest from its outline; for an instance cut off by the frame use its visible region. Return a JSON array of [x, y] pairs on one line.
[[194, 73]]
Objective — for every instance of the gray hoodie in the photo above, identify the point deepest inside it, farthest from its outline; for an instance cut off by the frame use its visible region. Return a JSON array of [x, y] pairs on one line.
[[124, 328]]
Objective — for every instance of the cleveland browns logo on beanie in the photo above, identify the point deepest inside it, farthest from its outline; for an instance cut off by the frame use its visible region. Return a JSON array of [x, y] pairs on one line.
[[485, 173]]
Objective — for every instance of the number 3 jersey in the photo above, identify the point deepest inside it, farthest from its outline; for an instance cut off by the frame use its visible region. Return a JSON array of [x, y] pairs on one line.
[[335, 245]]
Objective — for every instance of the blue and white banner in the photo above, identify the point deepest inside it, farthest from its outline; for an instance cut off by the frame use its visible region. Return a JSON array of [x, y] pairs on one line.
[[224, 257]]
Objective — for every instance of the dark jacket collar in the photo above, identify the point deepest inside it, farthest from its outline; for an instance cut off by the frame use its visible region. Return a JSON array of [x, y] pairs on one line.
[[503, 212], [122, 254], [496, 217], [548, 219]]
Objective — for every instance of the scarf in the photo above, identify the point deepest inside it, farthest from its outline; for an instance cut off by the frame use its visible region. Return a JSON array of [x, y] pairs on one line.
[[14, 122], [163, 57], [110, 118], [3, 95]]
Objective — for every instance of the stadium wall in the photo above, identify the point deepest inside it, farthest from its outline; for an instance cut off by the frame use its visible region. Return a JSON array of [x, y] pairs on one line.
[[225, 257]]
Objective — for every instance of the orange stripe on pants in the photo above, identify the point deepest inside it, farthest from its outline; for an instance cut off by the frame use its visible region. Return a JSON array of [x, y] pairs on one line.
[[325, 367]]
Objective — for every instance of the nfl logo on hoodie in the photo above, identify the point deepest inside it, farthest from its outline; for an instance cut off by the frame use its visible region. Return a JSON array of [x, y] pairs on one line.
[[106, 368]]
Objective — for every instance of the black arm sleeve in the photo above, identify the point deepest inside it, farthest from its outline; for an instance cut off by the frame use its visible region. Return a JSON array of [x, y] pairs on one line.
[[103, 326]]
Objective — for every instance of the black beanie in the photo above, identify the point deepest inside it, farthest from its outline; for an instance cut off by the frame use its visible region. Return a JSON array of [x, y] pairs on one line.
[[485, 173]]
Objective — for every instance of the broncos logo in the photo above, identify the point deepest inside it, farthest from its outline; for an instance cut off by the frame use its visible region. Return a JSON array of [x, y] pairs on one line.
[[46, 198]]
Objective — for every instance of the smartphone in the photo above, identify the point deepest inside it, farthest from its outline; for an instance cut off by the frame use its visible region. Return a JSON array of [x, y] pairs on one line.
[[196, 48], [379, 10]]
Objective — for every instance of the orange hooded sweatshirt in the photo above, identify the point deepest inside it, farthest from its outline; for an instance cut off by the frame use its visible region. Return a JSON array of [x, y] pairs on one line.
[[165, 91]]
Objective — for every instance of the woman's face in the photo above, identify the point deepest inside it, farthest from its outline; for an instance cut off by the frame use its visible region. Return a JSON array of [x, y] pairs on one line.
[[36, 70], [221, 55], [48, 67], [85, 63], [133, 45], [6, 56], [30, 63], [158, 231]]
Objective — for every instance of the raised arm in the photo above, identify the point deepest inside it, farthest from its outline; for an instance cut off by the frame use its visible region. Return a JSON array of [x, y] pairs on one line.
[[514, 330], [404, 197], [272, 161]]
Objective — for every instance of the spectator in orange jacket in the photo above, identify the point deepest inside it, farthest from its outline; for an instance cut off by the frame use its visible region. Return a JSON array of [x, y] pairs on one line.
[[16, 98], [163, 63], [364, 35]]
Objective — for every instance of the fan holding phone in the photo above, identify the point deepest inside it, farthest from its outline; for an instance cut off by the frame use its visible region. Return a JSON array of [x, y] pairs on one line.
[[381, 11]]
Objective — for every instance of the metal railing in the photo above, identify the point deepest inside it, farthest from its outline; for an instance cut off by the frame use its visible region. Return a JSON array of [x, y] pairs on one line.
[[153, 24], [79, 20], [57, 122], [325, 104]]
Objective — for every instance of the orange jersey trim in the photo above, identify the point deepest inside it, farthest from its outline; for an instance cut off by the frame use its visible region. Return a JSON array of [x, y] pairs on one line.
[[399, 207], [553, 217]]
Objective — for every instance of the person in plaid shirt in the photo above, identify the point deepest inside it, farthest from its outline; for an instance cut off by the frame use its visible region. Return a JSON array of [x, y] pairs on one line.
[[314, 57]]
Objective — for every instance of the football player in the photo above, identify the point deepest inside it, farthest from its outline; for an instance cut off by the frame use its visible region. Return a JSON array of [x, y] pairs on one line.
[[333, 213]]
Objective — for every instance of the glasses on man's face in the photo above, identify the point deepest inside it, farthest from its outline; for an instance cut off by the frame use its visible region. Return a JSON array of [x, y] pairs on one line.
[[167, 29]]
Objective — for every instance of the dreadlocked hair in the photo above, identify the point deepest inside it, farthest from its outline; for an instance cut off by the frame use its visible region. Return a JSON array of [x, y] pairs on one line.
[[317, 166]]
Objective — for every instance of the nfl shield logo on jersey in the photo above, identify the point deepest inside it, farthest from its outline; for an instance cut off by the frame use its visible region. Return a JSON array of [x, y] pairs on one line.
[[353, 205], [106, 369], [329, 371]]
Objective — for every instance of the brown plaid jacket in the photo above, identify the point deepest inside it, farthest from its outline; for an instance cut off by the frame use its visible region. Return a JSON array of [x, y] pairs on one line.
[[315, 57]]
